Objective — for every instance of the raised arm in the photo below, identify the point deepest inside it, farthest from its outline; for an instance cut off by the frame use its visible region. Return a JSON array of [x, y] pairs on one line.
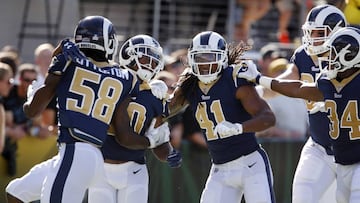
[[41, 96], [290, 88]]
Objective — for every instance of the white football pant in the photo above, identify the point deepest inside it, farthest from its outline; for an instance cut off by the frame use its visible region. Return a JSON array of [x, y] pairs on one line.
[[124, 183], [315, 173], [248, 175]]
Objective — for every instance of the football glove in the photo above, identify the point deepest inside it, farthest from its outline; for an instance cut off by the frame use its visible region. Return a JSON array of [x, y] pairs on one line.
[[248, 70], [159, 89], [32, 89], [174, 159], [225, 129], [71, 51], [159, 135], [318, 107]]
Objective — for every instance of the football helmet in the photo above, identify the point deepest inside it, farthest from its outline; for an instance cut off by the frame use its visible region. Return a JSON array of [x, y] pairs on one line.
[[133, 51], [207, 56], [97, 33], [344, 52], [324, 19]]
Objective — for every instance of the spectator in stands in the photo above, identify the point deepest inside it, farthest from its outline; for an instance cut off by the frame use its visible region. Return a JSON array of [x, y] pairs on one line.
[[42, 60], [250, 11], [174, 62], [352, 12], [268, 53], [17, 124], [6, 81], [285, 8], [14, 52], [9, 58], [290, 113]]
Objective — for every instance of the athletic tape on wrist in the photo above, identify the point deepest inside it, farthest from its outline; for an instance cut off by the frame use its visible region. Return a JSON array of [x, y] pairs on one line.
[[265, 82]]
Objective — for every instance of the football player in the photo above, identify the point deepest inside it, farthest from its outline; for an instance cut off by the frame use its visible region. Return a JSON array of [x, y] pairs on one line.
[[315, 172], [91, 93], [337, 87], [228, 111], [126, 173]]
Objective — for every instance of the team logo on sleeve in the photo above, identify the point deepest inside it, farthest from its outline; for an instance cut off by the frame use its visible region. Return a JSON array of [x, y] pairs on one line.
[[243, 67]]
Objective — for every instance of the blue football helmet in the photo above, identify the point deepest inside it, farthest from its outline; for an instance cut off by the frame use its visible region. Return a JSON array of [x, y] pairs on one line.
[[97, 33], [325, 19], [344, 52], [134, 51], [208, 49]]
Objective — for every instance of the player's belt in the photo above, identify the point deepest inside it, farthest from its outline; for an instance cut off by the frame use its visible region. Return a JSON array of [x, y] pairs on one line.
[[111, 161], [85, 137]]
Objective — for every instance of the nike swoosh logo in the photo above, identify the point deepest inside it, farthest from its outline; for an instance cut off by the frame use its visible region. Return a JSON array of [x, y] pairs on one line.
[[251, 165], [135, 172]]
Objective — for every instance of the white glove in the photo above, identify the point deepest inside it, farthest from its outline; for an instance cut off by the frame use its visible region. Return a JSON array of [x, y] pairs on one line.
[[248, 70], [225, 129], [159, 135], [32, 89], [318, 107], [158, 89]]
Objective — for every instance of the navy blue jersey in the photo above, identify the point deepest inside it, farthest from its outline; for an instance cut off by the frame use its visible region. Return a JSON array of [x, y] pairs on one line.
[[87, 98], [342, 103], [319, 123], [220, 104], [141, 111]]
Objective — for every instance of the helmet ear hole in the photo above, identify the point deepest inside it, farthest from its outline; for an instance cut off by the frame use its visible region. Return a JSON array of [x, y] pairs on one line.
[[130, 51]]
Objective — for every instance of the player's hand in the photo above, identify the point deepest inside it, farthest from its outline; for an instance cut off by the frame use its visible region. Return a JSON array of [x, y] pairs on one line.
[[227, 128], [158, 88], [71, 51], [174, 159], [318, 107], [159, 135], [31, 90], [248, 70]]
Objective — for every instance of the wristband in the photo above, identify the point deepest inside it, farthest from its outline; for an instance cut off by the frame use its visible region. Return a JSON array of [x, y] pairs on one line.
[[240, 128], [257, 79], [265, 82], [152, 142]]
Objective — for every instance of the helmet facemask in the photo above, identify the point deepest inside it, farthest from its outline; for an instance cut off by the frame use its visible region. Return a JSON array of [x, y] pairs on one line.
[[313, 45], [148, 60], [321, 22], [207, 64], [334, 62], [143, 54], [328, 64], [207, 56]]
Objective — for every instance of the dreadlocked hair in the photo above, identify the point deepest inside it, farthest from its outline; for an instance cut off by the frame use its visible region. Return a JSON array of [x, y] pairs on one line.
[[236, 51], [187, 82]]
